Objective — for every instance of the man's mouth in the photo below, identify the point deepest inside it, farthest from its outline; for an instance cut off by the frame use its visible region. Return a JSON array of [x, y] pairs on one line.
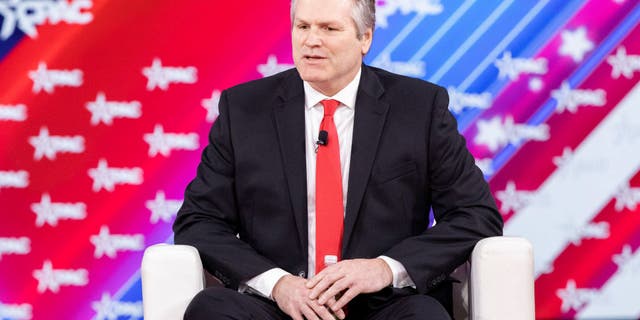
[[313, 57]]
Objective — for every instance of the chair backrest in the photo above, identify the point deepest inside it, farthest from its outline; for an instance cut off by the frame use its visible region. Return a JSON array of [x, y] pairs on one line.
[[179, 262]]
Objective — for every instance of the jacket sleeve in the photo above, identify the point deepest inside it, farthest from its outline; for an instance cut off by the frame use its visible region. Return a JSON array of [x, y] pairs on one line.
[[463, 207], [209, 219]]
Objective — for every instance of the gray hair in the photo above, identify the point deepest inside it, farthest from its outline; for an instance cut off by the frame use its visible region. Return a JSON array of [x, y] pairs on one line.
[[363, 14]]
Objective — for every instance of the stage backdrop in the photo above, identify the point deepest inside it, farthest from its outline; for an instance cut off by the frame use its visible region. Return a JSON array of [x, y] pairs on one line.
[[105, 107]]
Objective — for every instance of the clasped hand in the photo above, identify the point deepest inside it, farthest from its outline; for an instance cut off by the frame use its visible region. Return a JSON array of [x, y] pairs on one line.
[[324, 295]]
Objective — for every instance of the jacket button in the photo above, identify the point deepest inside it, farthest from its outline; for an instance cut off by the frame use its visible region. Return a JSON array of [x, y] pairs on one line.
[[302, 274]]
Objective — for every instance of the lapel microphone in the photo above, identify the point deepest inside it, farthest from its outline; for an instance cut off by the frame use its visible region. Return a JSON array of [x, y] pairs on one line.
[[323, 137]]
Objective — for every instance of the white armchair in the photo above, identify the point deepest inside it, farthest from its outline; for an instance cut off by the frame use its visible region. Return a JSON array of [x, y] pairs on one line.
[[497, 282]]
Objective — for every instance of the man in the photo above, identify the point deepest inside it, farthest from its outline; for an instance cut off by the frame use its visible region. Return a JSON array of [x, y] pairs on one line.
[[280, 165]]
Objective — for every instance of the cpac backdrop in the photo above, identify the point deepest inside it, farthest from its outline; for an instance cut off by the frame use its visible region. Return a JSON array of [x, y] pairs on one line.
[[105, 107]]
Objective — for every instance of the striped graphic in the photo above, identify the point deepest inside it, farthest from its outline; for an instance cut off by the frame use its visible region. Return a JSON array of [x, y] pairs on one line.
[[105, 107]]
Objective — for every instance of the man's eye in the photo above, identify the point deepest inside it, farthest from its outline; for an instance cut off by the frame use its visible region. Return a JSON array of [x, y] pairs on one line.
[[303, 27]]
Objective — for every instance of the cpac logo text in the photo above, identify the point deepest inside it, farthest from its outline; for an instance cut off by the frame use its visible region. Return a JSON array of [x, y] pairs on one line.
[[574, 298], [27, 14], [512, 67], [272, 66], [160, 77], [162, 143], [495, 134], [47, 80], [415, 69], [14, 179], [103, 111], [107, 178], [16, 311], [513, 199], [52, 279], [48, 212], [458, 101], [571, 99], [387, 8], [19, 246], [162, 208], [13, 113], [48, 146], [595, 230], [108, 244], [627, 197]]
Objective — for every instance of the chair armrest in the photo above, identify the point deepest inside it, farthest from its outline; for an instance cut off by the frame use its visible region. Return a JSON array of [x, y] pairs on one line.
[[502, 281], [171, 276]]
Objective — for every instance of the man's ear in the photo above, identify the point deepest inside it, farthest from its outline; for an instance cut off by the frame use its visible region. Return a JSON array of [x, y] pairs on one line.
[[367, 37]]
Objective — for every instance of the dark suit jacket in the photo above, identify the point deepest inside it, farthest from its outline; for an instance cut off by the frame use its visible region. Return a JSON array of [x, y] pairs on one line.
[[246, 210]]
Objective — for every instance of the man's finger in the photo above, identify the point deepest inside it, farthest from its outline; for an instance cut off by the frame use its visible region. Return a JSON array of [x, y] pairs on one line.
[[313, 281], [308, 313], [320, 287], [337, 287], [340, 313], [346, 297], [320, 310], [328, 280]]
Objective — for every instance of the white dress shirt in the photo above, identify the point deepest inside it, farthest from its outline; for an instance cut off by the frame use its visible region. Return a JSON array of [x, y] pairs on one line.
[[343, 118]]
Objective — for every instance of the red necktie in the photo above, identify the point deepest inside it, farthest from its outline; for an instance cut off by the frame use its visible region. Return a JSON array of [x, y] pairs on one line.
[[329, 207]]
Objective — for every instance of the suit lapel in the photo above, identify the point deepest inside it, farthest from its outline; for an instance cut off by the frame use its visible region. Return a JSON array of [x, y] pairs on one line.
[[289, 120], [370, 116]]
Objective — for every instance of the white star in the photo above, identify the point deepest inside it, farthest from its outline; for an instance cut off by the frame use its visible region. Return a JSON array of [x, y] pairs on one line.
[[575, 44], [272, 67], [491, 133], [512, 199], [155, 76], [103, 244], [569, 296], [507, 67], [627, 197], [162, 209], [101, 177], [573, 297], [269, 68], [99, 110], [44, 211], [104, 308], [564, 98], [561, 161], [43, 146], [624, 257], [623, 64], [157, 143], [46, 278], [211, 105], [41, 80]]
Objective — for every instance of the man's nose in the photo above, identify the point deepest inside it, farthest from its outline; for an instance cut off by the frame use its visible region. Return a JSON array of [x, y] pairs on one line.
[[313, 38]]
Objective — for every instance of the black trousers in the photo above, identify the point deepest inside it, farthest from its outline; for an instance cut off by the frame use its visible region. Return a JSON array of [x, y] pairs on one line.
[[223, 303]]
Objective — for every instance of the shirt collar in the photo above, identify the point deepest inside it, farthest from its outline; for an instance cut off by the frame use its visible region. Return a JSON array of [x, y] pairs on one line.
[[346, 96]]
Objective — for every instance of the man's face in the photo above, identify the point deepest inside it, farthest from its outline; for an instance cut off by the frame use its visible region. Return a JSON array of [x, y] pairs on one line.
[[326, 48]]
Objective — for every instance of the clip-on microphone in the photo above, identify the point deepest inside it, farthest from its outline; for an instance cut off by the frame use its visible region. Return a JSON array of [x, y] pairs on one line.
[[323, 138]]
